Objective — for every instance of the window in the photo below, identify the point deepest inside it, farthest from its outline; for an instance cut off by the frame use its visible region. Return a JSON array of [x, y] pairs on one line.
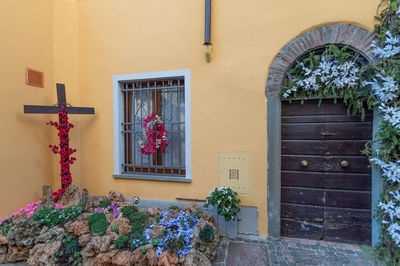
[[136, 97]]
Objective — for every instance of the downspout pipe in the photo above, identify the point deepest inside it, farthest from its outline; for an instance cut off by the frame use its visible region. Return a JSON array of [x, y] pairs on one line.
[[207, 31]]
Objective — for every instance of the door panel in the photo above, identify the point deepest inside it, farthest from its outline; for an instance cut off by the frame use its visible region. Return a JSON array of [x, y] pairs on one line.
[[329, 196]]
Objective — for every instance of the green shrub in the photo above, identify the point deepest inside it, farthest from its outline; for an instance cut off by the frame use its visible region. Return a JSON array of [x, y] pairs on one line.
[[98, 223], [52, 217], [172, 207], [99, 228], [139, 217], [128, 211], [225, 199], [96, 216], [115, 229], [157, 217], [71, 247], [155, 242], [143, 249], [104, 204], [121, 241], [138, 224], [197, 214], [6, 226], [207, 234]]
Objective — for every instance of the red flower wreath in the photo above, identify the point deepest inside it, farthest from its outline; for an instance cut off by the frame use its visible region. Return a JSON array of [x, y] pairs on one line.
[[154, 135]]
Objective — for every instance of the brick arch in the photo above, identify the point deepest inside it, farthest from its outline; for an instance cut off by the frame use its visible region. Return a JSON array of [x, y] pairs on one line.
[[358, 38]]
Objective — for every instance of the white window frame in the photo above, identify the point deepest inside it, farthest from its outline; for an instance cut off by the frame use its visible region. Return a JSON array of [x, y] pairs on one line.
[[119, 116]]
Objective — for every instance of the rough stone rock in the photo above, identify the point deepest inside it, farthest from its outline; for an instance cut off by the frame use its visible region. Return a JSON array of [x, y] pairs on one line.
[[115, 196], [105, 258], [70, 197], [49, 234], [3, 258], [44, 230], [47, 194], [94, 201], [153, 211], [167, 259], [3, 240], [86, 261], [3, 249], [19, 216], [84, 201], [98, 244], [195, 258], [122, 258], [43, 254], [110, 217], [173, 213], [84, 216], [156, 232], [136, 257], [23, 232], [16, 254], [123, 226], [150, 258], [83, 240], [208, 249], [194, 207], [79, 228]]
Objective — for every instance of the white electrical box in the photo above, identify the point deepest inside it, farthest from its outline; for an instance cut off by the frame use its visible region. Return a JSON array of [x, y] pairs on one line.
[[234, 171]]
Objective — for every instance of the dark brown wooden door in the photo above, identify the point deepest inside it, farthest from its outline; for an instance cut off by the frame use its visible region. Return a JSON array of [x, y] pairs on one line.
[[329, 196]]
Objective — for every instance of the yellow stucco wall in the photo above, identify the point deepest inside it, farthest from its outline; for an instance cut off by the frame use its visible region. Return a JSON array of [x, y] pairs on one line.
[[228, 105], [96, 39], [26, 41]]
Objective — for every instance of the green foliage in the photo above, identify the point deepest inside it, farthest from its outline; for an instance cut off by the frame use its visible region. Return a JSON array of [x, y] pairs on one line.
[[139, 222], [104, 204], [197, 214], [121, 241], [71, 247], [356, 98], [172, 207], [173, 244], [114, 229], [155, 242], [226, 202], [99, 228], [52, 217], [96, 216], [157, 217], [207, 234], [98, 223], [143, 249], [128, 211], [68, 253], [6, 226]]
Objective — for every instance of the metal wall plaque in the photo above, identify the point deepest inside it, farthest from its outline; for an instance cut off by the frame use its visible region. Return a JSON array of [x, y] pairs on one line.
[[234, 171], [34, 77]]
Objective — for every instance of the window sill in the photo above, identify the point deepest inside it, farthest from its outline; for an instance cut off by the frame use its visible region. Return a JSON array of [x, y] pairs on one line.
[[153, 178]]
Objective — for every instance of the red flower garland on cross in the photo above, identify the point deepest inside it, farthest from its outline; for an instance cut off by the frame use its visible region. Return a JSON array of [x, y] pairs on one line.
[[154, 135], [64, 150]]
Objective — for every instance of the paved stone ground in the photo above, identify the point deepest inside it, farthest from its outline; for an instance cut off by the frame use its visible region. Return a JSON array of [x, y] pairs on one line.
[[288, 251]]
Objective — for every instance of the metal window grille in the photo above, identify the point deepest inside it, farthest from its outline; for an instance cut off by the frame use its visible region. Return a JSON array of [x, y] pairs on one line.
[[166, 97]]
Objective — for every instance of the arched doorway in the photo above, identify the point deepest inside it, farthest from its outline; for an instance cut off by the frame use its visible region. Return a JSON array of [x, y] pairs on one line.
[[359, 40]]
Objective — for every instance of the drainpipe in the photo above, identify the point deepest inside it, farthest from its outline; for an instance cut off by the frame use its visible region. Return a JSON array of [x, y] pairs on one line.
[[207, 32]]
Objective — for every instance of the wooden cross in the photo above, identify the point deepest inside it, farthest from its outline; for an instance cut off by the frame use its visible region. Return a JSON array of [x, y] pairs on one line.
[[62, 101]]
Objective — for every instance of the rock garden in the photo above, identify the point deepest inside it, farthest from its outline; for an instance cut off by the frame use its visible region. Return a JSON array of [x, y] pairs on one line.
[[80, 229]]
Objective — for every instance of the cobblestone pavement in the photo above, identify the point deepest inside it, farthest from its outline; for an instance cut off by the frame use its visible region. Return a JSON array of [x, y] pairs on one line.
[[289, 251]]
